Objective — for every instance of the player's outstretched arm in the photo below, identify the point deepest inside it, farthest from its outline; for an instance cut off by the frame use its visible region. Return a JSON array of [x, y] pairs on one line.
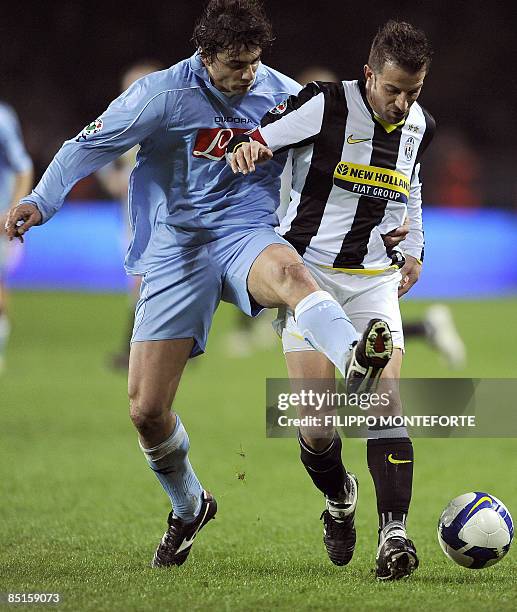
[[20, 219]]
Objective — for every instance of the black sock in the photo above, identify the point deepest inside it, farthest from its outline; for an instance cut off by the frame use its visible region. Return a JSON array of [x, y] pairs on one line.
[[390, 461], [325, 467], [416, 329]]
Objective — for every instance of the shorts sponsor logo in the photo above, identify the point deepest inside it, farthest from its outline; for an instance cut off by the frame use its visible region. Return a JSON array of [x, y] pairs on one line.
[[211, 143], [279, 108], [92, 128], [372, 181], [409, 147]]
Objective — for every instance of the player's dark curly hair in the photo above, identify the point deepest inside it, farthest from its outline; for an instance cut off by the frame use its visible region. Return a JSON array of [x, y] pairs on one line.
[[230, 25], [403, 44]]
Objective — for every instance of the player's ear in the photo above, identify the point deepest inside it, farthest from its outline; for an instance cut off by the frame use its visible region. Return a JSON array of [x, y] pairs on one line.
[[206, 61], [368, 72]]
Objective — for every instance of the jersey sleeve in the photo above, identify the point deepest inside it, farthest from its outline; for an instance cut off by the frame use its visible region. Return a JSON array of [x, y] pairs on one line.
[[414, 242], [129, 120], [295, 122], [11, 143]]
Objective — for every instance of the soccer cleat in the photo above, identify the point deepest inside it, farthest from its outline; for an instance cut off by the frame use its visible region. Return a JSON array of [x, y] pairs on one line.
[[369, 357], [396, 555], [443, 335], [176, 543], [338, 525]]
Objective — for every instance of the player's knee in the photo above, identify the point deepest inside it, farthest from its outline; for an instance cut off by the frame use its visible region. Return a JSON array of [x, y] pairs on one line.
[[321, 442], [294, 275], [148, 416]]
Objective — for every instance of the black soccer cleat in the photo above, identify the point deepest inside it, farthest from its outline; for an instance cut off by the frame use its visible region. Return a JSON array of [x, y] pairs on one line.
[[338, 525], [176, 543], [369, 356], [396, 555]]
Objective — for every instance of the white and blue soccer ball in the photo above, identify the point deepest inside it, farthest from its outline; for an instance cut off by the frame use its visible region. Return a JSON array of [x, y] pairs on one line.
[[475, 530]]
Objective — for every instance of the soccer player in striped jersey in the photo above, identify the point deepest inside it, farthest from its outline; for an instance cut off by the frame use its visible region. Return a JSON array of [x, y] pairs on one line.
[[357, 148]]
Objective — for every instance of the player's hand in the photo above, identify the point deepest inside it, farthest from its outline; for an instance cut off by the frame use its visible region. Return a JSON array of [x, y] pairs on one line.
[[244, 158], [396, 236], [20, 219], [410, 274]]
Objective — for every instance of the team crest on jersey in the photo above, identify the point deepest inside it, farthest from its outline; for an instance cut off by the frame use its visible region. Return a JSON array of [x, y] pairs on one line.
[[409, 147], [92, 128], [279, 108]]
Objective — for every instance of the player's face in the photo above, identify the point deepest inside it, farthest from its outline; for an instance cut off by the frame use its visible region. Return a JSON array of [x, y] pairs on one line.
[[392, 91], [234, 72]]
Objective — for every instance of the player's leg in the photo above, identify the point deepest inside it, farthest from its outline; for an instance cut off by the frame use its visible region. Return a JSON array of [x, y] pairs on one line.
[[320, 447], [438, 329], [279, 277], [389, 450], [390, 461], [5, 326], [172, 320], [155, 370]]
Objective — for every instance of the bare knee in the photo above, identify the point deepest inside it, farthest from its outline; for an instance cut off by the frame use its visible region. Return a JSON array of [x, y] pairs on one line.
[[294, 281], [151, 416]]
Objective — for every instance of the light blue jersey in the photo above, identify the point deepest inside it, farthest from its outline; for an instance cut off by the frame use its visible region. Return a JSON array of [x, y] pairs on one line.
[[13, 156], [181, 191]]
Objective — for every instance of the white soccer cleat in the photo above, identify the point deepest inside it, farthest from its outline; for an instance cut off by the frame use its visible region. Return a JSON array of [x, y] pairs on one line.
[[443, 335]]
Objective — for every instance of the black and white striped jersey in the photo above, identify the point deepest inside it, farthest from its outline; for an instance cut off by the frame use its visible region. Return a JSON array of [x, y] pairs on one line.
[[355, 177]]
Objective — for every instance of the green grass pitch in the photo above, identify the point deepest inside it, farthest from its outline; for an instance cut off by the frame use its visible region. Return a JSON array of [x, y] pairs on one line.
[[81, 513]]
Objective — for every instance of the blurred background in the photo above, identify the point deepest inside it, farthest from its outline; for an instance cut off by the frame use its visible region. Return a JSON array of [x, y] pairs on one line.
[[62, 63]]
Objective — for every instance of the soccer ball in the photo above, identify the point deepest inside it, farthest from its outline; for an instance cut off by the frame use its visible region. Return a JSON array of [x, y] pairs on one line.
[[475, 530]]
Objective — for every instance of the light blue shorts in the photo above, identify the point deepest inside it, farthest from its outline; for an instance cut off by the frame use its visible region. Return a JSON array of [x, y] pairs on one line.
[[178, 297]]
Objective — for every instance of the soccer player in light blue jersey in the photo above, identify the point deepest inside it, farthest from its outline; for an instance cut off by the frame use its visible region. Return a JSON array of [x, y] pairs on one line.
[[200, 233], [15, 182]]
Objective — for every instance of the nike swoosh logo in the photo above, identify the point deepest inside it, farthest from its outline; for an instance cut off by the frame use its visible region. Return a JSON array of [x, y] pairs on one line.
[[479, 502], [395, 461], [187, 542], [352, 140]]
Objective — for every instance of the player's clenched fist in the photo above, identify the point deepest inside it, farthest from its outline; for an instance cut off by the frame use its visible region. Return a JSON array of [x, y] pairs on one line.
[[245, 154], [20, 219]]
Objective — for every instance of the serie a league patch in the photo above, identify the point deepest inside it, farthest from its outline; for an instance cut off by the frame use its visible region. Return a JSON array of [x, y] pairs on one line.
[[92, 128], [279, 108]]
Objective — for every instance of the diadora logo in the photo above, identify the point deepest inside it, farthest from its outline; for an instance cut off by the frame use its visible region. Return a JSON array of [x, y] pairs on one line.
[[211, 143], [242, 120]]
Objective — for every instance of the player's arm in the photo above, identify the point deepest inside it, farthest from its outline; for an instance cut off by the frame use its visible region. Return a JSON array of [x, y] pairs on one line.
[[413, 246], [294, 123], [131, 118]]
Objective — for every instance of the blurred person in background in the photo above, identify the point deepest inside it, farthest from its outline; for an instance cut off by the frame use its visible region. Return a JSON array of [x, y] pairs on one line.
[[16, 176], [114, 177]]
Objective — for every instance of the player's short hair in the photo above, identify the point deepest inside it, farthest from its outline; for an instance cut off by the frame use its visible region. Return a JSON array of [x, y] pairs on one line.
[[230, 25], [400, 43]]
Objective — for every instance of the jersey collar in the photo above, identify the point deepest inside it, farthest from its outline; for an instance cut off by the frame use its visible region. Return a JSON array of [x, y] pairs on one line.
[[389, 127]]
